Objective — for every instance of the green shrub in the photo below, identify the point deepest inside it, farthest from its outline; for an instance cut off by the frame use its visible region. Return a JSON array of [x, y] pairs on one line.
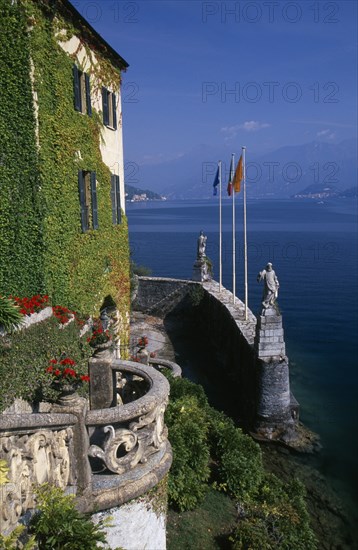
[[13, 541], [278, 519], [140, 270], [59, 525], [10, 316], [196, 294], [182, 387], [23, 365], [188, 427], [239, 458], [274, 515]]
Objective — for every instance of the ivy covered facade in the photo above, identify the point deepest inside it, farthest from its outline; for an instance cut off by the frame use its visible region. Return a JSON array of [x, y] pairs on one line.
[[63, 229]]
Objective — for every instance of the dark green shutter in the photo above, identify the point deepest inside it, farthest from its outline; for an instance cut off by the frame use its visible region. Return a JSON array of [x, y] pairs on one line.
[[81, 190], [77, 89], [118, 201], [114, 111], [105, 106], [88, 95], [94, 200], [113, 198]]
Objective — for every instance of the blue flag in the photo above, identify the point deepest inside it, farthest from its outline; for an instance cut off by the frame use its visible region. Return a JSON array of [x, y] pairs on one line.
[[216, 182]]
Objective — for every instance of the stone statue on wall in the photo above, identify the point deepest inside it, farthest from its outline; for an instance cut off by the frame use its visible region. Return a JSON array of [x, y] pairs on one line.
[[201, 271], [271, 285], [201, 246]]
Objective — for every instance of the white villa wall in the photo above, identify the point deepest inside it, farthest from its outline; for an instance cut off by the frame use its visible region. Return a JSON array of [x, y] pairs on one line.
[[134, 526], [111, 143]]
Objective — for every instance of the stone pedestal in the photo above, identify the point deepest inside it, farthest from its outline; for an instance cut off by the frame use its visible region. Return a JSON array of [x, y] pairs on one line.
[[143, 356], [269, 340], [81, 473], [102, 383], [200, 271], [274, 418]]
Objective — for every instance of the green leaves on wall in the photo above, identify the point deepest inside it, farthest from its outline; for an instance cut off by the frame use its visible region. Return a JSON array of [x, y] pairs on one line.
[[41, 243]]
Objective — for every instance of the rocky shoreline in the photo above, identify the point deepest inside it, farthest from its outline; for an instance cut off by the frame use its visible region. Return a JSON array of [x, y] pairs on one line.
[[330, 521]]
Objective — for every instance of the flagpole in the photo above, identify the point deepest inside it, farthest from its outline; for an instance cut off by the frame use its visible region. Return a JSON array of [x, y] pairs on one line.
[[220, 233], [233, 235], [245, 233]]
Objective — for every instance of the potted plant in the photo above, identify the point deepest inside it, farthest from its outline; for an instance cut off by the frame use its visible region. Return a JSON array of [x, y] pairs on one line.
[[101, 339], [142, 354], [64, 376]]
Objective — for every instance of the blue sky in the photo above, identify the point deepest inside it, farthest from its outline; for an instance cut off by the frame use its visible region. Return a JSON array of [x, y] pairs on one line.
[[258, 73]]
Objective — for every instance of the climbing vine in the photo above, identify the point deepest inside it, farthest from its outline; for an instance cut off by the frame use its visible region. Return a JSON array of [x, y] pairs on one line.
[[42, 241], [21, 229]]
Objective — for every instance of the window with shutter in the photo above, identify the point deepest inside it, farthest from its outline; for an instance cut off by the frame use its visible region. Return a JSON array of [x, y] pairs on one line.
[[84, 213], [88, 200], [82, 91], [116, 199], [109, 105], [105, 106], [94, 200]]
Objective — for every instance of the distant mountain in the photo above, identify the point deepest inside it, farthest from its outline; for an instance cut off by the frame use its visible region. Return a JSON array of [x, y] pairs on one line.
[[189, 176], [136, 191], [280, 174], [291, 169]]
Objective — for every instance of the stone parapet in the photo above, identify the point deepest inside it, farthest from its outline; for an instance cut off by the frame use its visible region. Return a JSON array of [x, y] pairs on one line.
[[160, 364], [158, 296], [247, 327], [68, 446]]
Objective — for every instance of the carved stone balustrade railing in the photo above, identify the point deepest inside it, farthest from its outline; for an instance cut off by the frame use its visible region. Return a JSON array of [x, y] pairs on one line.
[[105, 455], [38, 448], [130, 439], [160, 364]]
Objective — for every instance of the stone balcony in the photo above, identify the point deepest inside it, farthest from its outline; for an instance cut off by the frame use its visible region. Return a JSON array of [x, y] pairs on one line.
[[105, 455]]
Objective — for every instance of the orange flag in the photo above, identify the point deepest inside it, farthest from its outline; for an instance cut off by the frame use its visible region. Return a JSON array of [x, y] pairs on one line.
[[238, 176]]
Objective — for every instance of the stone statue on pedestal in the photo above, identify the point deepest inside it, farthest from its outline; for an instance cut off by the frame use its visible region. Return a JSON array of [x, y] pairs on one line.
[[271, 286], [201, 271], [201, 246]]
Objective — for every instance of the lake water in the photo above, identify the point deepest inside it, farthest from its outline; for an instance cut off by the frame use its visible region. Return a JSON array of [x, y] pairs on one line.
[[313, 247]]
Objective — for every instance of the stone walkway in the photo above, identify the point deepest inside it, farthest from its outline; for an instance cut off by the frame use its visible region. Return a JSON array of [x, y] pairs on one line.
[[153, 328], [237, 309]]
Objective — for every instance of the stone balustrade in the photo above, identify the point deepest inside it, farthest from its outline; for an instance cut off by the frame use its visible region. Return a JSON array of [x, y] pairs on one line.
[[104, 455], [160, 364]]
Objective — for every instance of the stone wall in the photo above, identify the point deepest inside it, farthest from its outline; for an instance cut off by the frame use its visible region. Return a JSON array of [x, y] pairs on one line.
[[249, 353], [159, 296]]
